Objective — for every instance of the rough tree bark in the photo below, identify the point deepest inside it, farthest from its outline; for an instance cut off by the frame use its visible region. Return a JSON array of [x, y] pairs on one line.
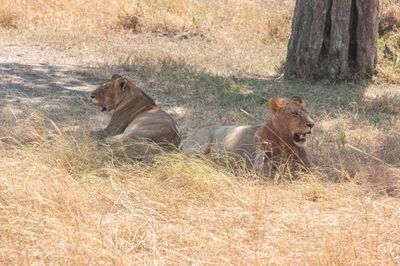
[[333, 39]]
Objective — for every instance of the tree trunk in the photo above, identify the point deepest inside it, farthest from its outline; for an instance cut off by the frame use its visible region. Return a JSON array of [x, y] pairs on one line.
[[333, 39]]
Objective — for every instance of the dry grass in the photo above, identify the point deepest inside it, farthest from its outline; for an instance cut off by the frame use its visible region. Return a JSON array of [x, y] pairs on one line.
[[251, 31], [389, 43], [8, 16], [65, 200], [156, 30], [389, 57], [390, 16], [217, 19]]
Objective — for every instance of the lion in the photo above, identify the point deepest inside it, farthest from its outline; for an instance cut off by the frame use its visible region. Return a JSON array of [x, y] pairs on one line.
[[135, 115], [282, 134]]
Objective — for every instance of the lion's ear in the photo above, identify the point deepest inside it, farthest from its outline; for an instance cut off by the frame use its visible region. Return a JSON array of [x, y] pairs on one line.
[[276, 104], [298, 99], [116, 76], [121, 83], [125, 84]]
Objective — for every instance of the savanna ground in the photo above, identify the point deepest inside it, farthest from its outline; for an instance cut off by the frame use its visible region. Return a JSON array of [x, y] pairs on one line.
[[65, 200]]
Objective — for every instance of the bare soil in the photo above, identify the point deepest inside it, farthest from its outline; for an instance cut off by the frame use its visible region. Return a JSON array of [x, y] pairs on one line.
[[56, 83]]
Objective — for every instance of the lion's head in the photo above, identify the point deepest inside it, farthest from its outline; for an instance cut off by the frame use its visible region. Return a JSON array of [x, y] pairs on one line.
[[110, 93], [291, 120]]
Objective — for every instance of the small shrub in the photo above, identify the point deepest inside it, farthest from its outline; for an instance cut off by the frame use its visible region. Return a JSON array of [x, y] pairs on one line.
[[128, 22]]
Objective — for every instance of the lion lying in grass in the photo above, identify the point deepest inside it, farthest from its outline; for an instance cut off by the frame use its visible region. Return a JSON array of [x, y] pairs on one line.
[[136, 116], [283, 134]]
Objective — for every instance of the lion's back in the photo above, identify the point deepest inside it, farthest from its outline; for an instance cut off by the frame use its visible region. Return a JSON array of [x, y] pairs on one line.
[[227, 139], [156, 125]]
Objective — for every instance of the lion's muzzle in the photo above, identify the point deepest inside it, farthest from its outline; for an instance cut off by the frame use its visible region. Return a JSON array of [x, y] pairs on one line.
[[98, 103]]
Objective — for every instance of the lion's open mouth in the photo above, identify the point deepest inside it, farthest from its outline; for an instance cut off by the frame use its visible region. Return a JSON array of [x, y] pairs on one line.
[[100, 104], [103, 108], [300, 137]]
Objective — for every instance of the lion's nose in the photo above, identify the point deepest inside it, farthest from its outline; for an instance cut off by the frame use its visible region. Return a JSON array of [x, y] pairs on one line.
[[310, 124], [92, 96]]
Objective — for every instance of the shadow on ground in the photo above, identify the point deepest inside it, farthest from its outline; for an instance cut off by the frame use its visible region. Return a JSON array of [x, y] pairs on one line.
[[208, 98], [59, 92], [194, 97]]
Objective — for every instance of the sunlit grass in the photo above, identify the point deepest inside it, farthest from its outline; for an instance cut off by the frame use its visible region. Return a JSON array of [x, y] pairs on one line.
[[64, 199]]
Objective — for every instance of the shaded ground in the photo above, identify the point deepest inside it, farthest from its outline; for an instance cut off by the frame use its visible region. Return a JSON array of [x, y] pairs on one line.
[[57, 82], [51, 81]]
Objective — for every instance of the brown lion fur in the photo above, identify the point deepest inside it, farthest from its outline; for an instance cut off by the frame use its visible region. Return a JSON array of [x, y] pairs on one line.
[[135, 115], [283, 134]]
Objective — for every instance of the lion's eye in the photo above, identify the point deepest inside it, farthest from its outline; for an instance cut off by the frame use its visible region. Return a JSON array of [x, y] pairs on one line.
[[296, 113]]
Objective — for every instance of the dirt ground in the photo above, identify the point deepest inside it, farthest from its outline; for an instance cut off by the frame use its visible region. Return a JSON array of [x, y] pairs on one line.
[[57, 84]]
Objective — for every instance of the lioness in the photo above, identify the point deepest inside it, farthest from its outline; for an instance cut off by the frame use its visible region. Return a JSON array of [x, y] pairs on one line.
[[136, 115], [283, 132]]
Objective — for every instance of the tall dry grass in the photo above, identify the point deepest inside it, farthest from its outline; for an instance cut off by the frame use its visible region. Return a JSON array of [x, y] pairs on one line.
[[8, 16], [389, 42], [218, 19], [257, 30], [125, 32], [65, 200]]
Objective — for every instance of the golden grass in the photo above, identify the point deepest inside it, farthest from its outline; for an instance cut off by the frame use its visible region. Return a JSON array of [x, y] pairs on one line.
[[251, 31], [69, 202], [389, 30], [8, 16], [389, 67], [390, 16], [155, 30], [215, 20], [65, 200]]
